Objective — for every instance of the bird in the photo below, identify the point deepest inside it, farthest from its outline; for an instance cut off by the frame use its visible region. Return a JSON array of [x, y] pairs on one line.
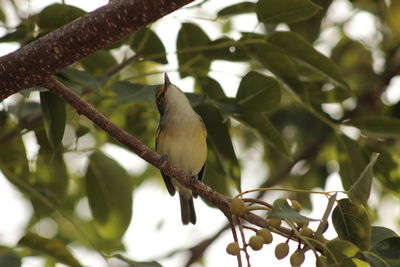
[[181, 140]]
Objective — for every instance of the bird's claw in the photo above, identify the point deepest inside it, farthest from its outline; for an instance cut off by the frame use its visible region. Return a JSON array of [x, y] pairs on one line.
[[163, 158]]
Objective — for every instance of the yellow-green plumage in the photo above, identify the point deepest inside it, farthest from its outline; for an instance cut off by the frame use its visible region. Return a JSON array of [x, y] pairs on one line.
[[181, 136]]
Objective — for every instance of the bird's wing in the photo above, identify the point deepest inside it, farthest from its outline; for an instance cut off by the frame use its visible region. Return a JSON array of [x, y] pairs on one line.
[[200, 176], [202, 172], [167, 179]]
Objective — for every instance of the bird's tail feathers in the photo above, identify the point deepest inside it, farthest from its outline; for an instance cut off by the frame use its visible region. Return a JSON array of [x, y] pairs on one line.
[[188, 213]]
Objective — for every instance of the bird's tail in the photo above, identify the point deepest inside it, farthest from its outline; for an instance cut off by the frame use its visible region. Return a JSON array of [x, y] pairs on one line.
[[188, 214]]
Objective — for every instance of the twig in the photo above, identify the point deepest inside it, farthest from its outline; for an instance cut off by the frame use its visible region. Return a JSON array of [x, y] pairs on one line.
[[254, 200], [239, 223], [236, 239]]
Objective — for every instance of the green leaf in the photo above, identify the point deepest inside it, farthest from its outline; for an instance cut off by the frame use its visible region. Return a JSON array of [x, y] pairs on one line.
[[387, 169], [378, 126], [237, 9], [80, 77], [56, 15], [374, 260], [351, 160], [128, 92], [282, 210], [265, 128], [227, 106], [50, 175], [54, 115], [218, 137], [359, 192], [109, 191], [334, 95], [22, 34], [147, 44], [288, 11], [380, 233], [68, 233], [388, 249], [50, 247], [191, 37], [273, 59], [194, 99], [258, 93], [216, 176], [351, 222], [295, 46], [344, 253], [210, 87], [310, 28], [97, 64], [13, 161], [225, 49], [9, 260]]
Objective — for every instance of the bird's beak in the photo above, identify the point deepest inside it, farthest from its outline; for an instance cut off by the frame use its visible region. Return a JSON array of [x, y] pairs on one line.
[[166, 80]]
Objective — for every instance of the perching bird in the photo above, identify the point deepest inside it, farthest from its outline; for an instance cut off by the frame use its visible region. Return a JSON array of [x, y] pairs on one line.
[[181, 139]]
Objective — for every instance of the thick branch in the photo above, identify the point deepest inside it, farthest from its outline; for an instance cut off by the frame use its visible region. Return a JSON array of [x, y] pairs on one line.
[[31, 64]]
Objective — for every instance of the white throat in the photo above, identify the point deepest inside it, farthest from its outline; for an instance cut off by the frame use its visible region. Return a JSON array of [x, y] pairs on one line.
[[177, 102]]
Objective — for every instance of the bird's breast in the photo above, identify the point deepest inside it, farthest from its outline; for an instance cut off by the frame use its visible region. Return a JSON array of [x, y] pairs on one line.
[[184, 142]]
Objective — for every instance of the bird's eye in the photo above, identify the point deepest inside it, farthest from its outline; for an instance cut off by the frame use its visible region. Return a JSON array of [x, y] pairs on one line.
[[158, 100]]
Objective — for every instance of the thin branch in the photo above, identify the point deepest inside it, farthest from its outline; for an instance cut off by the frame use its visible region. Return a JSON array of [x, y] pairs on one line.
[[120, 66], [258, 201], [245, 245], [235, 238]]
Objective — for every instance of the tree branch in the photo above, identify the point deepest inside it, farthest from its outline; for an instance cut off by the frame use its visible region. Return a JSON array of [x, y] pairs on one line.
[[216, 199], [31, 64]]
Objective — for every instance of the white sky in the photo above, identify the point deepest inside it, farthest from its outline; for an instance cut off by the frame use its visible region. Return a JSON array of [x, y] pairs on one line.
[[143, 240]]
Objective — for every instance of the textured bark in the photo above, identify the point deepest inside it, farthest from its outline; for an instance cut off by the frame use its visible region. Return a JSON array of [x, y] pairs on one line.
[[36, 61]]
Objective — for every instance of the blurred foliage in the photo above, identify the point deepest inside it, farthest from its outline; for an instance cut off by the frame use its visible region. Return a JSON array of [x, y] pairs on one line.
[[281, 105]]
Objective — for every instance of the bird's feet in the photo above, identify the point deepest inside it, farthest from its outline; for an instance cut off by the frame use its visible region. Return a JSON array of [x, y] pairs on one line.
[[195, 177], [163, 158]]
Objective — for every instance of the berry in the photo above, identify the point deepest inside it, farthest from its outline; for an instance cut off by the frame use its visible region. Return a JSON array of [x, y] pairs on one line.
[[297, 258], [233, 249], [238, 207], [256, 242], [307, 232], [266, 235], [274, 222], [302, 224], [281, 250]]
